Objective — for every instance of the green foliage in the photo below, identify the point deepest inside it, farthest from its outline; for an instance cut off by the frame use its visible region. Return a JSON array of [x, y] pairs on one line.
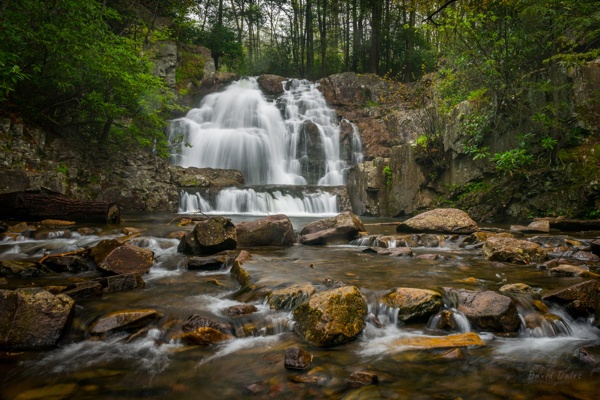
[[190, 70], [388, 175], [512, 161], [62, 64], [62, 168]]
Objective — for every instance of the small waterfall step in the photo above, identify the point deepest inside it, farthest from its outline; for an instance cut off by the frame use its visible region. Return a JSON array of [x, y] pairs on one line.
[[263, 200]]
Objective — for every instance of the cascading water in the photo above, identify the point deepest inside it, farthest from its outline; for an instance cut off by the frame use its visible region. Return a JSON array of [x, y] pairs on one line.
[[292, 141]]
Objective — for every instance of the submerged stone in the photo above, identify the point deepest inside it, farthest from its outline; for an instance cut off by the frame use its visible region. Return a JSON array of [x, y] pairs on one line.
[[297, 358], [439, 342]]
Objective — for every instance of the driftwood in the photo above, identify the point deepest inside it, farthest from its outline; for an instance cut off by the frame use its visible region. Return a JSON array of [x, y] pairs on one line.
[[40, 204]]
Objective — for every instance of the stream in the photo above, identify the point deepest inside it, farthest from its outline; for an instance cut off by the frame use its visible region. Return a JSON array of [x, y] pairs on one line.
[[155, 364]]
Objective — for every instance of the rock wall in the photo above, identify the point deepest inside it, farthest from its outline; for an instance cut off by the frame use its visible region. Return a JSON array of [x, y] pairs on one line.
[[137, 180]]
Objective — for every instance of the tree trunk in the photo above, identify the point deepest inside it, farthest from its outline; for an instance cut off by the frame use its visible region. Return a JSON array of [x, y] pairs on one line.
[[39, 205]]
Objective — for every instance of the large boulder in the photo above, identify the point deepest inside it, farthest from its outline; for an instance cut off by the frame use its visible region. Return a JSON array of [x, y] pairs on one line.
[[33, 318], [414, 305], [333, 317], [340, 229], [271, 84], [440, 220], [513, 250], [211, 236], [116, 257], [580, 300], [274, 230], [489, 310]]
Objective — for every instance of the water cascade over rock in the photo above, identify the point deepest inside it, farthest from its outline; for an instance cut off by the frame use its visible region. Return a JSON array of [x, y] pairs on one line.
[[291, 141]]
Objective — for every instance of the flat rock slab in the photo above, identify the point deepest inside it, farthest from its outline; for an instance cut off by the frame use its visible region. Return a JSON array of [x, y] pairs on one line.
[[124, 320], [440, 220], [432, 342], [121, 258]]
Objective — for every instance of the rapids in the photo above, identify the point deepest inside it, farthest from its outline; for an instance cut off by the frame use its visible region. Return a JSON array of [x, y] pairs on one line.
[[154, 364]]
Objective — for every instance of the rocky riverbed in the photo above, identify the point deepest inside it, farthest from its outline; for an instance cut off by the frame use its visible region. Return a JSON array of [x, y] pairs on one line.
[[183, 306]]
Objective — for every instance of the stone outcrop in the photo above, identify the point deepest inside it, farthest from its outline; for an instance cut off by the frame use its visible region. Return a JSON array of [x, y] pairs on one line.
[[115, 257], [489, 310], [271, 84], [440, 220], [33, 318], [414, 305], [513, 250], [340, 229], [274, 230], [332, 317], [211, 236]]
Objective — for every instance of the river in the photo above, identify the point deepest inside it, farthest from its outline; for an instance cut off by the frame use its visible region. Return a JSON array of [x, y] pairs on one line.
[[154, 364]]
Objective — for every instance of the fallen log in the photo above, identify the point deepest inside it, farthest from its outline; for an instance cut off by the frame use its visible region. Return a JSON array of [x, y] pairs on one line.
[[43, 204], [572, 225]]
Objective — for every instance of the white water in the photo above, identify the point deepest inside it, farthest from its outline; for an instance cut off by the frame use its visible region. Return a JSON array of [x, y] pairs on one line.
[[294, 140], [255, 202]]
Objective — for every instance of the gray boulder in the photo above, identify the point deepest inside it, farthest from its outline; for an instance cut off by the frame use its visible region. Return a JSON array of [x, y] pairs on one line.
[[274, 230], [340, 229], [211, 236], [489, 310]]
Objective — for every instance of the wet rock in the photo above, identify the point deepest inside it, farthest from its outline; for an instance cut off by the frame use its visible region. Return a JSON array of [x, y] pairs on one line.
[[452, 354], [362, 378], [241, 309], [85, 231], [198, 330], [237, 271], [572, 270], [84, 290], [291, 297], [297, 358], [21, 228], [271, 84], [513, 251], [552, 241], [540, 226], [67, 263], [45, 234], [517, 288], [482, 236], [56, 222], [440, 220], [20, 269], [333, 317], [209, 263], [439, 342], [398, 241], [122, 282], [580, 300], [124, 320], [589, 355], [414, 305], [585, 256], [121, 258], [33, 317], [340, 229], [396, 252], [211, 236], [274, 230], [430, 257], [489, 310], [430, 240]]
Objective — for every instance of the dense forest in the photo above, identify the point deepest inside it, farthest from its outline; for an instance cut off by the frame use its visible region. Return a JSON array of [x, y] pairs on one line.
[[86, 65]]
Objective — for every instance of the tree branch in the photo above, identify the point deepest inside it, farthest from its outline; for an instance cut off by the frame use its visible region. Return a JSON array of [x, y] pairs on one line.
[[430, 16]]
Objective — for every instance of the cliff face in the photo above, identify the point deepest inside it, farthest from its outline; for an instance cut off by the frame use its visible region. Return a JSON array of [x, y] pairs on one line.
[[400, 177]]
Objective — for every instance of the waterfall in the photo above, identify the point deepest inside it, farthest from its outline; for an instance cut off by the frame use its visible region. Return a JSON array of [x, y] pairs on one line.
[[291, 141]]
